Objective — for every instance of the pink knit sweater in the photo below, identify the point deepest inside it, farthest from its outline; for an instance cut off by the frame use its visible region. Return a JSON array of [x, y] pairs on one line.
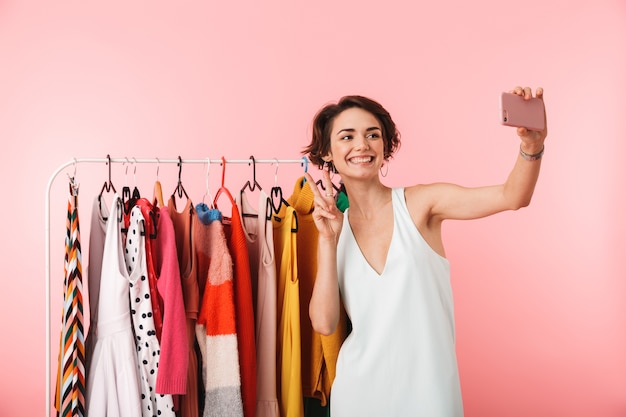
[[172, 374]]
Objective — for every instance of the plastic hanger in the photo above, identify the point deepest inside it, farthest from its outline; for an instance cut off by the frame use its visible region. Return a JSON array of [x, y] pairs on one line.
[[125, 188], [254, 185], [277, 200], [305, 165], [251, 186], [108, 187], [222, 188], [321, 182], [129, 199], [180, 190]]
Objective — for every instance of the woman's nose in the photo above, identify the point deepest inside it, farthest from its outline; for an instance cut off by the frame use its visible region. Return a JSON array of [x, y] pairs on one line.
[[362, 143]]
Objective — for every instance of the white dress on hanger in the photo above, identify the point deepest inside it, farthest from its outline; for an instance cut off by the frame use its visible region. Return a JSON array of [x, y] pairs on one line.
[[113, 378]]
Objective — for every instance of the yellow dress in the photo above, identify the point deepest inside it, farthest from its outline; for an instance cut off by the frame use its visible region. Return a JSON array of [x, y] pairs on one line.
[[319, 353], [288, 306]]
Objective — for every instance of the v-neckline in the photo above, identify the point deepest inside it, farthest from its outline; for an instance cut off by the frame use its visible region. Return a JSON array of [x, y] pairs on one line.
[[393, 234]]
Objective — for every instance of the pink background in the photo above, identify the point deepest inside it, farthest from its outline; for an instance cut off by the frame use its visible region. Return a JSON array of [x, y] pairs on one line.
[[540, 293]]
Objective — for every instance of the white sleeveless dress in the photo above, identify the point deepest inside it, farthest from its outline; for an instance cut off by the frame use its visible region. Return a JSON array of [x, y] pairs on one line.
[[399, 359], [113, 378]]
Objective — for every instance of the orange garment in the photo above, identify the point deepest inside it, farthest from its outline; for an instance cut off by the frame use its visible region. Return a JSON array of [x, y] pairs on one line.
[[244, 311], [319, 353]]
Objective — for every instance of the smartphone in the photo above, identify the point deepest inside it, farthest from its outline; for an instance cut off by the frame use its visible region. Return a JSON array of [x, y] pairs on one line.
[[517, 112]]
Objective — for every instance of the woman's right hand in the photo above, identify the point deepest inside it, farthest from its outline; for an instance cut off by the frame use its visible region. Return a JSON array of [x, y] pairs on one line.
[[327, 217]]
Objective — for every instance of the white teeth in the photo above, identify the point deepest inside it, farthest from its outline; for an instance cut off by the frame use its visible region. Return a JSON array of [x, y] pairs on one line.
[[360, 160]]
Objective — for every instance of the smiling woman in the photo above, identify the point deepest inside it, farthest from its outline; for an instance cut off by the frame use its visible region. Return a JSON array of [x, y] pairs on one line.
[[381, 126], [386, 263]]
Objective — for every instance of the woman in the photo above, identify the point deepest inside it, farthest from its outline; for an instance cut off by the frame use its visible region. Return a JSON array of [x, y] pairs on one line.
[[386, 263]]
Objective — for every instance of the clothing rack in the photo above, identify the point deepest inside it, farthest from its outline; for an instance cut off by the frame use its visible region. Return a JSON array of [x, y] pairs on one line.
[[108, 160]]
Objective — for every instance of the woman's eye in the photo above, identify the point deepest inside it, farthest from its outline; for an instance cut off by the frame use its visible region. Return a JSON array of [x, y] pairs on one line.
[[373, 136], [346, 137]]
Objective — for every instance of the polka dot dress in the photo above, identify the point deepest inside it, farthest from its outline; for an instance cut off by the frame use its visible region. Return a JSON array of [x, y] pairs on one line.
[[148, 350]]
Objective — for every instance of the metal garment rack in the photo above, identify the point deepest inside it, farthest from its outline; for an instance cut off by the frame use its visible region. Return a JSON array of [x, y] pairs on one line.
[[108, 160]]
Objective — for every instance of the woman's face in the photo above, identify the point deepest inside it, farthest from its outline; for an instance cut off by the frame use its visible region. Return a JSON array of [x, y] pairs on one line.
[[356, 143]]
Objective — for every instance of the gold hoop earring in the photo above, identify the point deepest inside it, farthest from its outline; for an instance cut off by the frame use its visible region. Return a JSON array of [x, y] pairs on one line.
[[386, 170]]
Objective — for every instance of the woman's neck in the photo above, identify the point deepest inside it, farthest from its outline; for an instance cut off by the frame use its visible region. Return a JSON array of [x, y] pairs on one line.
[[366, 198]]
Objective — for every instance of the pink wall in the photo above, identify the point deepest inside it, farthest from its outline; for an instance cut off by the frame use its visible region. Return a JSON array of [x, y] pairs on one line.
[[540, 293]]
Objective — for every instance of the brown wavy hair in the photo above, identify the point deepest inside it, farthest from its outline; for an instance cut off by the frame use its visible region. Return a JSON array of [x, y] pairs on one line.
[[323, 122]]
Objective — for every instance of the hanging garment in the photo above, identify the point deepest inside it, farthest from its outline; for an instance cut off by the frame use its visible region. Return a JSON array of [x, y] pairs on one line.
[[260, 239], [319, 353], [148, 213], [194, 290], [216, 328], [148, 350], [97, 234], [399, 359], [172, 375], [113, 378], [288, 347], [182, 221], [182, 228], [70, 398], [244, 313]]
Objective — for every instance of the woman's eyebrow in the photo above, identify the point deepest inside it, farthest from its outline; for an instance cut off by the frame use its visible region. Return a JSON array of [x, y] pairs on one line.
[[350, 129]]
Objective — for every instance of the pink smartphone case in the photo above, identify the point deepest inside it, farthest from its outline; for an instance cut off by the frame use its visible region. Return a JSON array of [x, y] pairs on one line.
[[515, 111]]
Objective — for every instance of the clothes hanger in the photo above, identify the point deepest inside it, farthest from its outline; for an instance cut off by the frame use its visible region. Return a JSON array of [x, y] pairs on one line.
[[180, 190], [254, 185], [305, 165], [251, 187], [125, 188], [222, 188], [126, 198], [126, 193], [73, 184], [320, 182], [130, 199], [277, 200], [157, 193], [276, 193], [108, 187]]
